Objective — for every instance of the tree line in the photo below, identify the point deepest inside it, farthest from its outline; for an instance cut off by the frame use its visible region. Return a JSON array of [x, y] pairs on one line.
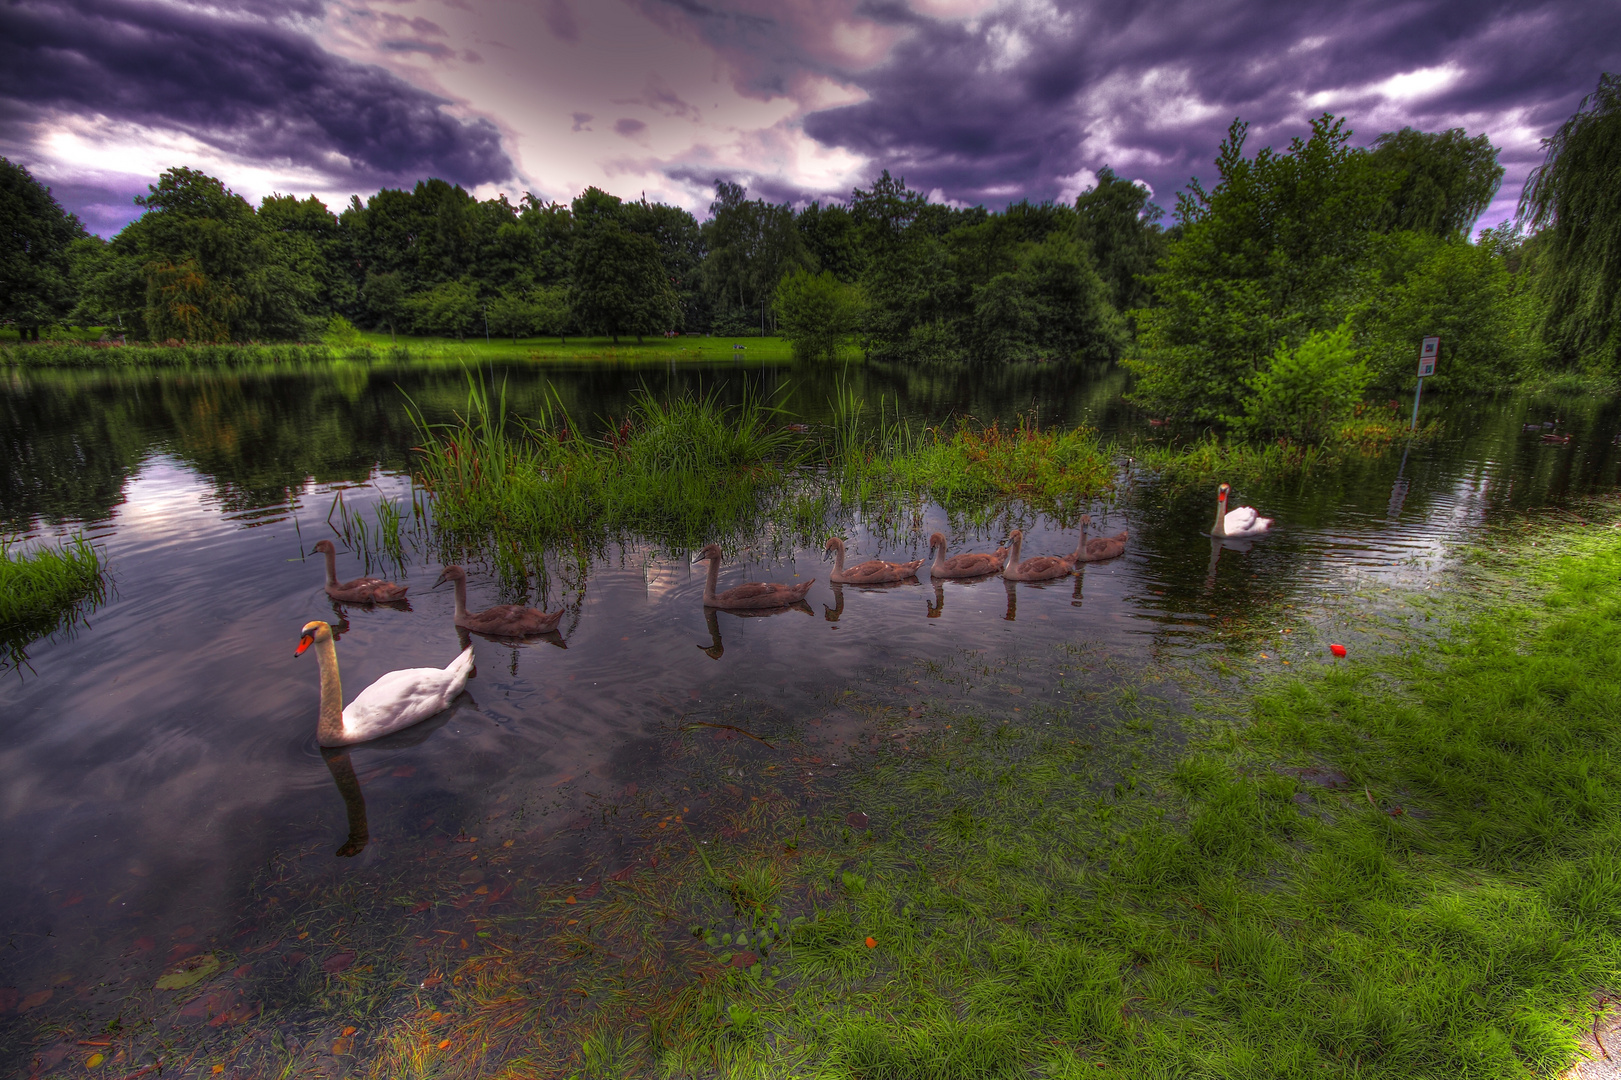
[[1320, 262]]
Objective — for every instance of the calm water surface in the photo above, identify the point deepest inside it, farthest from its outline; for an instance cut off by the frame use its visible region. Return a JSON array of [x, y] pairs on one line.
[[155, 761]]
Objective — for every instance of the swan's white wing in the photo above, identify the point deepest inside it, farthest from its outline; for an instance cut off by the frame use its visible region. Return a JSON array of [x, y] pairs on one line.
[[1246, 520], [1241, 519], [400, 699]]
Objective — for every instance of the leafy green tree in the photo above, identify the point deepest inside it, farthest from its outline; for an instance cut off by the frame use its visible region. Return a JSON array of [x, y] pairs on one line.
[[829, 235], [1441, 181], [618, 285], [751, 245], [1305, 391], [1051, 306], [539, 311], [551, 310], [817, 313], [1118, 224], [1274, 252], [681, 251], [383, 298], [907, 276], [1574, 198], [449, 308], [553, 226], [35, 235], [1458, 291]]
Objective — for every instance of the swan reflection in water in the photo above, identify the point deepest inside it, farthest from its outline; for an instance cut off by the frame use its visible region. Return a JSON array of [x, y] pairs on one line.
[[1217, 545], [341, 765], [715, 649], [832, 614], [342, 769], [553, 638]]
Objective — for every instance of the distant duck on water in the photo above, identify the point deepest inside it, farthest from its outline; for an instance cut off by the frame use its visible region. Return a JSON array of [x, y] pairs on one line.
[[753, 595], [871, 572], [503, 620], [362, 590]]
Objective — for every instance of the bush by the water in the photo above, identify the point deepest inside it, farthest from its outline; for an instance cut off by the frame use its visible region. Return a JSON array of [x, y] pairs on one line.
[[1305, 393]]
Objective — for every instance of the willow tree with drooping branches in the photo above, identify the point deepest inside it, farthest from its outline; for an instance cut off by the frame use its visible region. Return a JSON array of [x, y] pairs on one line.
[[1573, 199]]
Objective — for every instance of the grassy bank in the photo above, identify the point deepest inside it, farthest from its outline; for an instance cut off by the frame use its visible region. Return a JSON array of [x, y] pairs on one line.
[[1402, 866], [365, 346], [40, 590], [102, 355]]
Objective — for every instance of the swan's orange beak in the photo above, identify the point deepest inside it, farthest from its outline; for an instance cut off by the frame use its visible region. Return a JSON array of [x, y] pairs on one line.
[[303, 643]]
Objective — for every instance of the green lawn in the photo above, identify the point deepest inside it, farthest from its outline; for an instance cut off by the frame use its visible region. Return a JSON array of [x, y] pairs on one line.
[[651, 350]]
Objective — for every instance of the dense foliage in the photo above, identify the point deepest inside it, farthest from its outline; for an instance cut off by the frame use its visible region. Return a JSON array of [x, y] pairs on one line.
[[36, 235], [1574, 197]]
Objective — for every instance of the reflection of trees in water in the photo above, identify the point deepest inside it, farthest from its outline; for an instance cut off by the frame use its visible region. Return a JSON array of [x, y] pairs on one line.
[[71, 438]]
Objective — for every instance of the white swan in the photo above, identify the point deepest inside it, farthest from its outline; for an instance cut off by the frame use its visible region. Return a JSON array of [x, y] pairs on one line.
[[1244, 521], [397, 700]]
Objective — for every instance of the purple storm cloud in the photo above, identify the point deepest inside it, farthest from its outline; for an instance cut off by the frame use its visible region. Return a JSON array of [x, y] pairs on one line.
[[969, 100]]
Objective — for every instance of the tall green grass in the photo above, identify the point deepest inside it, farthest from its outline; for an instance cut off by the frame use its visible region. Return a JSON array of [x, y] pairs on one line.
[[681, 471], [686, 470], [43, 589]]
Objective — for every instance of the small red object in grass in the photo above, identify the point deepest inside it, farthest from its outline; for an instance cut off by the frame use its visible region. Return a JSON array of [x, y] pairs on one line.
[[1337, 650], [871, 944]]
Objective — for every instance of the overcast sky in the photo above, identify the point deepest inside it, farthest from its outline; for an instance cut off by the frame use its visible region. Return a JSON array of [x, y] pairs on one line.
[[970, 101]]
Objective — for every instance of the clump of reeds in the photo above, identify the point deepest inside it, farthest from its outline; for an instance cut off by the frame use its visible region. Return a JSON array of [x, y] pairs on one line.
[[680, 471], [42, 589]]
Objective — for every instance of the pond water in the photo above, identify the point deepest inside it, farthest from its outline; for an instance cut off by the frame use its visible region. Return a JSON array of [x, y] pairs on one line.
[[159, 761]]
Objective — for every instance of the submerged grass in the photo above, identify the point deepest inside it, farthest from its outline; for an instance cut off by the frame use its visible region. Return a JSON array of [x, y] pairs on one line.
[[43, 589]]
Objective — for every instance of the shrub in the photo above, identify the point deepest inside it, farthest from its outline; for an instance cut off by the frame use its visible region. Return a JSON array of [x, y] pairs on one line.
[[1303, 393], [817, 313]]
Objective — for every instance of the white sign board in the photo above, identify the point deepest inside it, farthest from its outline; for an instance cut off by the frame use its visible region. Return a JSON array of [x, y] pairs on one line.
[[1426, 358]]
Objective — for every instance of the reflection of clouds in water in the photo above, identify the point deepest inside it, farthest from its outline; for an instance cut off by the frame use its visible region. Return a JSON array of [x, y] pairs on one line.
[[177, 732]]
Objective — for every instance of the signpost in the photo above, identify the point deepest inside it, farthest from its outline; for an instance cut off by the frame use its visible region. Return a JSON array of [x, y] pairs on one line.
[[1426, 368]]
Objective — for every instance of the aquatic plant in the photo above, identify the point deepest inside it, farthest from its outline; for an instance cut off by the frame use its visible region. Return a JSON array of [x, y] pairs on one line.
[[43, 589]]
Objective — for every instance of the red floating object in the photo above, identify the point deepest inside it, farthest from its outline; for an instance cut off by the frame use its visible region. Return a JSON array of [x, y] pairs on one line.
[[1337, 650], [871, 944]]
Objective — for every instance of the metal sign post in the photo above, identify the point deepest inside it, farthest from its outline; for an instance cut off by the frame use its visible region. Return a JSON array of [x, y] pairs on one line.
[[1426, 368]]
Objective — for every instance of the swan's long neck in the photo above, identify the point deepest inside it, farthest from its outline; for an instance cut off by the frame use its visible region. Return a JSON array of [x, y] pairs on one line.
[[329, 729], [838, 557], [1220, 527], [940, 558], [1018, 542], [709, 582], [461, 598], [331, 567], [1080, 545]]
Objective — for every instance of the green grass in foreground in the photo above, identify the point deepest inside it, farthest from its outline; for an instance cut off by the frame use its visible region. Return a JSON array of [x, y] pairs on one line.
[[1444, 908], [39, 590]]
